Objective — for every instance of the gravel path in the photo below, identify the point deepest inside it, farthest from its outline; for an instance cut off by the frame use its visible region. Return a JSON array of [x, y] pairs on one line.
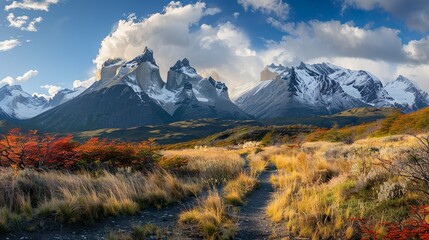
[[253, 222]]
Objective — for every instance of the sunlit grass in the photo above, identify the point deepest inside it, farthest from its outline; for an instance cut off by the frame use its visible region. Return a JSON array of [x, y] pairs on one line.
[[210, 218], [235, 191]]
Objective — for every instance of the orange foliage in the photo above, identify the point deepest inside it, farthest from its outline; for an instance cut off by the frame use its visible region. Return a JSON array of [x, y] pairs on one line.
[[31, 150]]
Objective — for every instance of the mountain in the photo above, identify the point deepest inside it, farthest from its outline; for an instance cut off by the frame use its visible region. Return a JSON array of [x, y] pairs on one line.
[[358, 84], [115, 107], [407, 95], [320, 89], [132, 94], [65, 95], [272, 71], [118, 99], [18, 104], [198, 97], [297, 92]]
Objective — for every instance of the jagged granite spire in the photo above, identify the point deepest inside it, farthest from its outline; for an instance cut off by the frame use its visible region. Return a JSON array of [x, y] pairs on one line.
[[181, 73], [146, 56]]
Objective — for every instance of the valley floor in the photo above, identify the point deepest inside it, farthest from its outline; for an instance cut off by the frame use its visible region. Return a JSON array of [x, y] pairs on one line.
[[318, 190]]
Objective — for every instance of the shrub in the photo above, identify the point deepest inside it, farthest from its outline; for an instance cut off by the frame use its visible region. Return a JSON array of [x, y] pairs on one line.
[[391, 190], [416, 227], [46, 152], [173, 163], [414, 167]]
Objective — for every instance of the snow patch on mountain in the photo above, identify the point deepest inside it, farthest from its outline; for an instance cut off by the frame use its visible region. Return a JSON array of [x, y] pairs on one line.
[[19, 104], [407, 94]]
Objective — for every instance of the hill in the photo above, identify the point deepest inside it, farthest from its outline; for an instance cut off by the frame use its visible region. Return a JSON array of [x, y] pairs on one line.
[[394, 123]]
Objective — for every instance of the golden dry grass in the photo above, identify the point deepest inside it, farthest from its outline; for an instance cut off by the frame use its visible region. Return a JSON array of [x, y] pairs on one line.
[[323, 185], [235, 190], [209, 219], [214, 165], [87, 198]]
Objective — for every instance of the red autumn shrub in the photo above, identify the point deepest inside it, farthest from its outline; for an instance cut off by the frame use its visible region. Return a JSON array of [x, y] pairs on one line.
[[416, 227]]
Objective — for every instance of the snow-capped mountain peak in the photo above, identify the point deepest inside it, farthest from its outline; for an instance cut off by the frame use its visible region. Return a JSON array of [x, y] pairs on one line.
[[141, 74], [183, 66], [325, 88], [146, 56], [406, 94], [19, 104]]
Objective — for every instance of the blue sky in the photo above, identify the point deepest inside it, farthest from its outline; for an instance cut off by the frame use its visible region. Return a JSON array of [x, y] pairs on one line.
[[232, 39]]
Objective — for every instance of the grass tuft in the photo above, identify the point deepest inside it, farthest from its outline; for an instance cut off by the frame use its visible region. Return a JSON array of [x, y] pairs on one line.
[[210, 218]]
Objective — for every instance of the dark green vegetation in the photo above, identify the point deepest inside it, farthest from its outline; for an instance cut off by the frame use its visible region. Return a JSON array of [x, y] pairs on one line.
[[349, 117], [270, 131], [168, 133], [267, 135]]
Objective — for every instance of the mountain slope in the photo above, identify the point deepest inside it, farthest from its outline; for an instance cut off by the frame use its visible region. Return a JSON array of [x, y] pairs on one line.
[[297, 92], [132, 94], [321, 89], [117, 106], [198, 97], [407, 95], [359, 84], [17, 104]]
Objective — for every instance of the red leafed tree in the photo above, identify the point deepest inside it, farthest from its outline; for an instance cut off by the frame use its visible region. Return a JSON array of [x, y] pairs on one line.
[[111, 153], [416, 227], [19, 150], [16, 149], [31, 150], [59, 153]]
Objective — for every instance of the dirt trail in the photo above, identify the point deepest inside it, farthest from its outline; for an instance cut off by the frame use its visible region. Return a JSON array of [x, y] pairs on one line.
[[253, 222], [165, 218]]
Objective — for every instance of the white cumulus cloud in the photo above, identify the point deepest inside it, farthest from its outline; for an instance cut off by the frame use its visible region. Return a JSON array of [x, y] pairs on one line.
[[85, 83], [52, 89], [25, 77], [176, 33], [418, 50], [7, 80], [335, 39], [225, 51]]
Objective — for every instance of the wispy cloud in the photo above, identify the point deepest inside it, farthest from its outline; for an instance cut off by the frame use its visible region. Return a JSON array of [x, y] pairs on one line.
[[31, 5], [9, 44], [414, 12], [25, 77], [276, 7], [23, 22]]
